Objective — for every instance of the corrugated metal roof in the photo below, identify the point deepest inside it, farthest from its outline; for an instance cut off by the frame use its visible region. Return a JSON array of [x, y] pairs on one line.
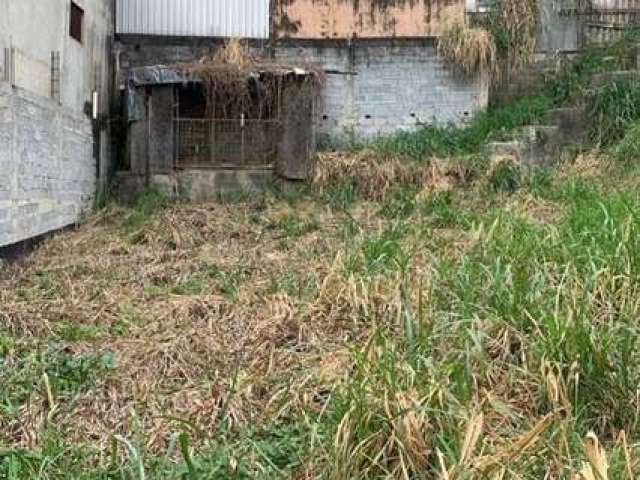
[[197, 18]]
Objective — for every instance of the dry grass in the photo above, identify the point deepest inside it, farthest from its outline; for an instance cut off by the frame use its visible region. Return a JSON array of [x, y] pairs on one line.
[[470, 49], [182, 348], [536, 210], [226, 77], [586, 165], [234, 53], [375, 174], [518, 20], [503, 45]]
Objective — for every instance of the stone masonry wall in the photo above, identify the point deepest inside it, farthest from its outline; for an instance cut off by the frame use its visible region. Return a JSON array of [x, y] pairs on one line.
[[48, 172]]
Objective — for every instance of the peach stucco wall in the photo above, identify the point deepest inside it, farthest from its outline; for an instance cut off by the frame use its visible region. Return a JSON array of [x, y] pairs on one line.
[[360, 18]]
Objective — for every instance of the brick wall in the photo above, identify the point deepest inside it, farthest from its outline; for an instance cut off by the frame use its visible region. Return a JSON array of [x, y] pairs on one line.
[[48, 171]]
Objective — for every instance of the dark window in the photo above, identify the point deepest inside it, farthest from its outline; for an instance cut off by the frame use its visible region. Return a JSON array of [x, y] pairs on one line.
[[75, 22], [192, 101]]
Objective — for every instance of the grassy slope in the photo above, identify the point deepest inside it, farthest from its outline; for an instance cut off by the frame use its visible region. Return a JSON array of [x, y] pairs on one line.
[[370, 329]]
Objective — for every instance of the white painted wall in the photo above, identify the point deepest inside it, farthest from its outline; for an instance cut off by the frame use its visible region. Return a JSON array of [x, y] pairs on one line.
[[35, 28], [47, 162]]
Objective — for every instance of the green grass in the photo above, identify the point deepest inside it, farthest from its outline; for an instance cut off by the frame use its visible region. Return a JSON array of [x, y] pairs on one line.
[[303, 288], [207, 279], [628, 148], [614, 108], [71, 332], [295, 226], [275, 448], [483, 329], [342, 195], [439, 210], [493, 124], [505, 177], [228, 281], [564, 291], [380, 252], [29, 367], [399, 203], [147, 204], [130, 317]]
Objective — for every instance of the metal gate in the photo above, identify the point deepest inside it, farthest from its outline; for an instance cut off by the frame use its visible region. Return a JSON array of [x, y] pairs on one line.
[[225, 143]]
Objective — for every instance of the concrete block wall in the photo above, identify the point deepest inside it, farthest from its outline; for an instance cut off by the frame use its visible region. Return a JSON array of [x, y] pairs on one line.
[[373, 87], [377, 87], [48, 170]]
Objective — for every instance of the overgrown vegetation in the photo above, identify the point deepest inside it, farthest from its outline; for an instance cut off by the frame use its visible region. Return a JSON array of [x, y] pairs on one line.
[[469, 49], [403, 319], [513, 26], [236, 82], [501, 43], [470, 327], [444, 141], [614, 107]]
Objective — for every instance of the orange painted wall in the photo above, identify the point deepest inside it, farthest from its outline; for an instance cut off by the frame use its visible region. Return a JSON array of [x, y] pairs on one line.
[[360, 18]]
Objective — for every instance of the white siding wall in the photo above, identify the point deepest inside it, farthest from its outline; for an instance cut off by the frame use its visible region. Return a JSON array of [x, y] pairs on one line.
[[196, 18]]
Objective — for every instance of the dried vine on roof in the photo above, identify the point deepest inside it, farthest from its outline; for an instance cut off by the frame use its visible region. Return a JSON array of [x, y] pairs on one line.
[[236, 82]]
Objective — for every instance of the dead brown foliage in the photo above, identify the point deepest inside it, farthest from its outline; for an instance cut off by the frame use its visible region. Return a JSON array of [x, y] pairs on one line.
[[205, 357], [470, 49], [500, 45], [375, 175]]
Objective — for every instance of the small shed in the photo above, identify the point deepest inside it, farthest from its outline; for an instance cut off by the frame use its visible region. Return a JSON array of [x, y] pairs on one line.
[[199, 122]]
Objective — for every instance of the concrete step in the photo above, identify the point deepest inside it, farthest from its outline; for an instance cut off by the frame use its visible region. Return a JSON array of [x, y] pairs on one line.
[[602, 79], [572, 123], [504, 149], [532, 146]]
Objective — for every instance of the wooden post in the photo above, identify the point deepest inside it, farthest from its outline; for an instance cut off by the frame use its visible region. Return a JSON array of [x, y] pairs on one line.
[[147, 166], [242, 140]]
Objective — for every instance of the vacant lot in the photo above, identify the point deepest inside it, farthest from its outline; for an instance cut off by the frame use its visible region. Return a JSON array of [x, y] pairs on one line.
[[403, 317], [397, 320]]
